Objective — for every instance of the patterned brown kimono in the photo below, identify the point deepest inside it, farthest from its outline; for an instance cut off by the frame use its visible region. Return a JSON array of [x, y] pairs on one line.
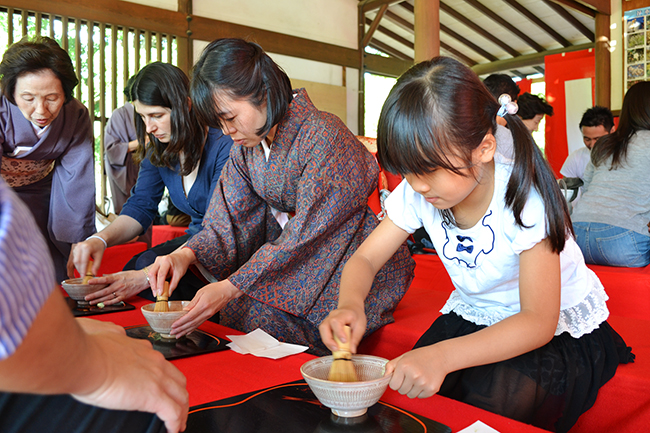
[[320, 173]]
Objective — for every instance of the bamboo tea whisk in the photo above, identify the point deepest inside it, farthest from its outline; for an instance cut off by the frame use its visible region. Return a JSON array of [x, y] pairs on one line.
[[342, 369], [161, 301]]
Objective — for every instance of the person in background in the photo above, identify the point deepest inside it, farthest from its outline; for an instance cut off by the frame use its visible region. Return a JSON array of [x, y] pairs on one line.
[[177, 152], [596, 122], [58, 374], [532, 109], [289, 210], [611, 217], [120, 141], [47, 147], [524, 334], [498, 85]]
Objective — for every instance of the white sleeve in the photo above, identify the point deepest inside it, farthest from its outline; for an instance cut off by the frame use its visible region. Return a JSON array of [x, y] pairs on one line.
[[569, 168], [401, 207], [534, 218]]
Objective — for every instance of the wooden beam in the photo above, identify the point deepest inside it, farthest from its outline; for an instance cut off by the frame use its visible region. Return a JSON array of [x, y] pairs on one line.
[[371, 5], [373, 26], [539, 23], [110, 11], [393, 35], [601, 6], [361, 96], [578, 7], [480, 30], [378, 45], [571, 19], [279, 43], [387, 66], [503, 23], [534, 59], [406, 25], [460, 56], [603, 58], [468, 43], [133, 15]]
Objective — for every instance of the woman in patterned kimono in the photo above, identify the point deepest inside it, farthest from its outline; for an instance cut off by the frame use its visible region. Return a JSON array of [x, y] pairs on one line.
[[289, 210], [47, 149]]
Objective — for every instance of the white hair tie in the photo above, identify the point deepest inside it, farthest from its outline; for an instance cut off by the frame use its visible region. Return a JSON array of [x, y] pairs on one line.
[[507, 105]]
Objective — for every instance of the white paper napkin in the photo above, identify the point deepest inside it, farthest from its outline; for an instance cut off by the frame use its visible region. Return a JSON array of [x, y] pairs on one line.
[[259, 343], [478, 427]]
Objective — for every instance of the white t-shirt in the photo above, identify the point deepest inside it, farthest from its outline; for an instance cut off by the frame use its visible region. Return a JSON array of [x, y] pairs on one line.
[[483, 261], [576, 163]]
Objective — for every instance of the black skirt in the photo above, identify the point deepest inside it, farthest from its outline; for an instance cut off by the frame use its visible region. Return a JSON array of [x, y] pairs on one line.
[[549, 387]]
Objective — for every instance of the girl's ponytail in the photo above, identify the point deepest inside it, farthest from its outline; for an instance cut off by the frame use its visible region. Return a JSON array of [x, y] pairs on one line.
[[532, 170]]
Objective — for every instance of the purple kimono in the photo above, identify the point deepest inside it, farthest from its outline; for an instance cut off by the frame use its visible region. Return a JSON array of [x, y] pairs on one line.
[[121, 170], [321, 174], [63, 202]]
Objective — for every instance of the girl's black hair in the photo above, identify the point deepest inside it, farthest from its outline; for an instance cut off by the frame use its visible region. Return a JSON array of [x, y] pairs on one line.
[[635, 115], [439, 108], [242, 70], [165, 85], [35, 54]]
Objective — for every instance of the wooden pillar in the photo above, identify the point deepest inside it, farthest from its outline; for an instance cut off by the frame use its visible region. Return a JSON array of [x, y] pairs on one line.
[[427, 29], [603, 66], [361, 31], [184, 45]]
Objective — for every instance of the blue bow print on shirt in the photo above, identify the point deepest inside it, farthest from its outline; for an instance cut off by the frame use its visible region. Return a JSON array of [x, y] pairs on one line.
[[482, 243], [460, 247]]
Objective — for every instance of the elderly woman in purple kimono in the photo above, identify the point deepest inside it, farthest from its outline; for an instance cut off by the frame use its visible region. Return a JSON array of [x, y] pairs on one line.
[[47, 150], [290, 207]]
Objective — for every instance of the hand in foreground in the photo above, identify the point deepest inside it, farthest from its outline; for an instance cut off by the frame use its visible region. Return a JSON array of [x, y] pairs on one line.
[[418, 373], [121, 286], [174, 265], [133, 376], [207, 302], [334, 323], [81, 253]]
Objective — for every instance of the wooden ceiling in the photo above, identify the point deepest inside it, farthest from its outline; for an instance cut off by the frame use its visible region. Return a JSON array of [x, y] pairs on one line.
[[507, 36]]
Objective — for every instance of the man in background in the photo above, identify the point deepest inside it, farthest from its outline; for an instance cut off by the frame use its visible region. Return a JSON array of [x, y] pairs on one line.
[[596, 122]]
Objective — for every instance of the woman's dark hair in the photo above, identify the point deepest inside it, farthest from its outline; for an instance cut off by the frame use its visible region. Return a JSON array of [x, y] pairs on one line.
[[532, 105], [165, 85], [440, 108], [498, 84], [242, 70], [635, 115], [35, 54], [127, 88]]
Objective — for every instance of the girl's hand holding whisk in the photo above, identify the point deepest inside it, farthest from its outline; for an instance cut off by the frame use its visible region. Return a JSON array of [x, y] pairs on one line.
[[335, 322]]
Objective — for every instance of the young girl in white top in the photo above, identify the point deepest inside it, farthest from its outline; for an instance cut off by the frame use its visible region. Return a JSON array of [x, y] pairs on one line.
[[524, 333]]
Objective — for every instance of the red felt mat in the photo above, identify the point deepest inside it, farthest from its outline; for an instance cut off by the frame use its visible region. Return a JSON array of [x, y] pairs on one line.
[[163, 233], [219, 375], [622, 405]]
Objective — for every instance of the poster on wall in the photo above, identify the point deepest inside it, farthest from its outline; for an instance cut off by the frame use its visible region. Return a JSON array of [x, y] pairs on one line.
[[637, 46]]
